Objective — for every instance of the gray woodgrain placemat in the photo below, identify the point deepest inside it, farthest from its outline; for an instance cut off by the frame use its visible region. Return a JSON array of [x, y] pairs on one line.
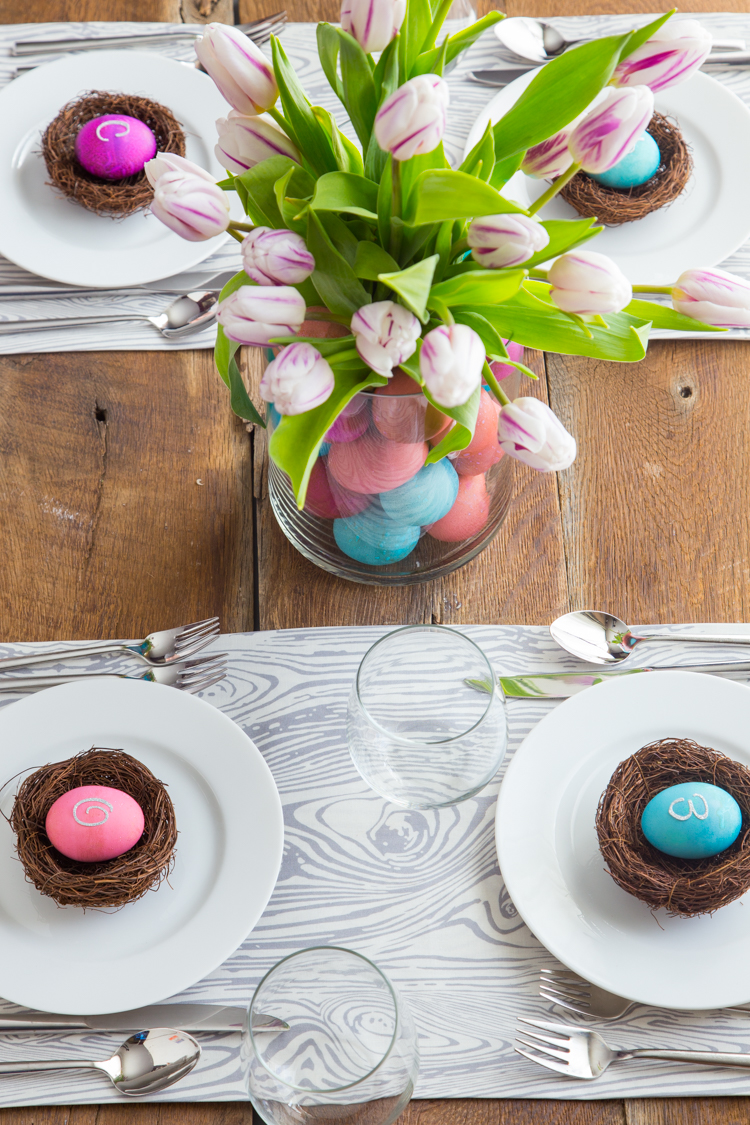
[[418, 892]]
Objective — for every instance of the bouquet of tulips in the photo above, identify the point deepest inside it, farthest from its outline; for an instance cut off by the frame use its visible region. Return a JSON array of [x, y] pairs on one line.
[[422, 267]]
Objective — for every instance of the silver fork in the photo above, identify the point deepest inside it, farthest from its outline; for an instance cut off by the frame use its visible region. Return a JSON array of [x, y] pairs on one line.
[[157, 649], [584, 1054], [258, 30], [190, 675], [566, 989]]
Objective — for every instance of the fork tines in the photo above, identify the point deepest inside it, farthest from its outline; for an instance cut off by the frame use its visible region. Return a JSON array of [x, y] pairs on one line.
[[195, 637], [202, 672], [554, 1053], [564, 987]]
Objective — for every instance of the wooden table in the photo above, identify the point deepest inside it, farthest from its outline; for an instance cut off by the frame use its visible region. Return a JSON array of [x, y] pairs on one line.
[[131, 498]]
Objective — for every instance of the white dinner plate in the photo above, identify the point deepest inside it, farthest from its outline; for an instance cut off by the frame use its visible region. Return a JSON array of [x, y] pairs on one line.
[[49, 235], [550, 858], [705, 224], [228, 852]]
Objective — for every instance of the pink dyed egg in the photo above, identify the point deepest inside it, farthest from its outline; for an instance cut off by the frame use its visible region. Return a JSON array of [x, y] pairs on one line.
[[502, 370], [94, 822], [114, 146], [483, 450], [401, 412], [351, 422], [327, 499], [468, 515], [374, 464]]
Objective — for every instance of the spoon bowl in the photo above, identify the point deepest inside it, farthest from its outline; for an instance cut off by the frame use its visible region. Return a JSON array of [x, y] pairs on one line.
[[146, 1062], [601, 638], [532, 40]]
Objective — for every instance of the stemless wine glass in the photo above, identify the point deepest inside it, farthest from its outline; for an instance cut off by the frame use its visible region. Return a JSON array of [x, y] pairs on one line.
[[349, 1056], [419, 732]]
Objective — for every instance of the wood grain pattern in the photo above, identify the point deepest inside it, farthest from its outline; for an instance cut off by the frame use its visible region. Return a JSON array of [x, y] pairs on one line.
[[518, 1112]]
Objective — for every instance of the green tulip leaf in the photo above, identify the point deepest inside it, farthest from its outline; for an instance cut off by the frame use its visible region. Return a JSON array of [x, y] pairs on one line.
[[372, 260], [481, 286], [413, 285], [455, 44], [465, 416], [224, 357], [334, 279], [360, 96], [564, 234], [311, 137], [329, 46], [259, 186], [661, 316], [440, 194], [289, 191], [342, 191], [493, 344]]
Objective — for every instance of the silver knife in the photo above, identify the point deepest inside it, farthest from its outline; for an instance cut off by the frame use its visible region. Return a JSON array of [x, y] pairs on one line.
[[183, 1017], [501, 77], [561, 685]]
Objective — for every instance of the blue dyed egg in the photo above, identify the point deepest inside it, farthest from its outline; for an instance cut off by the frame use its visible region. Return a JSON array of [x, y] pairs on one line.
[[692, 820], [636, 168], [272, 415], [324, 449], [373, 538], [426, 498]]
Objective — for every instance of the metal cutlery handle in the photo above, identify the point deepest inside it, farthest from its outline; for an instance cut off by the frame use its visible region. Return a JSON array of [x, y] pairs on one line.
[[23, 48], [8, 327], [60, 654], [695, 638], [709, 1058], [68, 1064]]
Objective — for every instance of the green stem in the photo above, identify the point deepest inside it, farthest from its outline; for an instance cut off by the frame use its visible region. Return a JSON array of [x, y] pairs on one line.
[[652, 288], [332, 318], [235, 234], [553, 189], [458, 248], [396, 228], [494, 386], [539, 275], [282, 122], [240, 226], [437, 23]]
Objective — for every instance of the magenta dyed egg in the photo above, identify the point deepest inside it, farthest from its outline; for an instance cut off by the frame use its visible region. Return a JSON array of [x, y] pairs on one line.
[[374, 464], [115, 146], [93, 823], [351, 423], [327, 499]]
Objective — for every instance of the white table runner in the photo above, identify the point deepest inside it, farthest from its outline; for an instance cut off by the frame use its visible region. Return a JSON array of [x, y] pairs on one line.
[[467, 100], [418, 892]]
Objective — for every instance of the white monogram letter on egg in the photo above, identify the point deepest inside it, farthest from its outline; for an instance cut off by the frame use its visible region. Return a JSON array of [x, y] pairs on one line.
[[691, 808]]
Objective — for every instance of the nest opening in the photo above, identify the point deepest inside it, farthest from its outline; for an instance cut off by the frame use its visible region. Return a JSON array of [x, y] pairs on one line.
[[684, 887], [614, 206], [114, 882], [105, 197]]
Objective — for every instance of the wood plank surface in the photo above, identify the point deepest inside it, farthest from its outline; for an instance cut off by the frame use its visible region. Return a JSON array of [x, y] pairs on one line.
[[107, 531]]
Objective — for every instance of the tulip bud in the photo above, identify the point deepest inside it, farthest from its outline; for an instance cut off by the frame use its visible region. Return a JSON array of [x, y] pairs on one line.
[[276, 257], [412, 120], [587, 283], [257, 314], [193, 207], [671, 55], [451, 362], [610, 131], [386, 334], [713, 297], [529, 431], [505, 240], [170, 162], [239, 69], [549, 159], [373, 23], [245, 141], [299, 379]]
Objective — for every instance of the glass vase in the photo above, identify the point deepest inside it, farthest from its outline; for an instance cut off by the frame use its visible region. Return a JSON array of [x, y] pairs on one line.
[[374, 512]]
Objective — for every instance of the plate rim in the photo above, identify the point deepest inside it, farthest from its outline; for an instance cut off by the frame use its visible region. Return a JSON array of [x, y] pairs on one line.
[[41, 77], [225, 938], [536, 922]]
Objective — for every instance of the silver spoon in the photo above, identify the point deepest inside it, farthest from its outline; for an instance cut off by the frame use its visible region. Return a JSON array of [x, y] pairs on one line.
[[188, 314], [600, 638], [538, 42], [147, 1062]]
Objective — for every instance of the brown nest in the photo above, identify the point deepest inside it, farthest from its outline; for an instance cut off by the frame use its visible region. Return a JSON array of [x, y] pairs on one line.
[[685, 887], [116, 881], [614, 206], [105, 197]]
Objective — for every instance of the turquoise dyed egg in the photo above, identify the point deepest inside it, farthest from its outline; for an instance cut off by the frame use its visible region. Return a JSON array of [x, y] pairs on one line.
[[427, 497], [636, 168], [692, 821], [325, 447], [373, 538]]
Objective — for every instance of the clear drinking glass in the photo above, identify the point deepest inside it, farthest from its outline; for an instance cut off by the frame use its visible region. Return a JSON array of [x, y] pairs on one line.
[[418, 732], [350, 1055]]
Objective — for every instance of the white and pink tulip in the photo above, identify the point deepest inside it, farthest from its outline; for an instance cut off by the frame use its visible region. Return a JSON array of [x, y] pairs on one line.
[[451, 362], [529, 431], [373, 23], [411, 121], [246, 141], [239, 69], [498, 241], [550, 158], [670, 56], [385, 334], [587, 283], [257, 314], [191, 206], [611, 129], [713, 296], [276, 257], [299, 379]]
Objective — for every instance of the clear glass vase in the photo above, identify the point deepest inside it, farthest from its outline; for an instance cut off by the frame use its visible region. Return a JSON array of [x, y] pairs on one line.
[[375, 513]]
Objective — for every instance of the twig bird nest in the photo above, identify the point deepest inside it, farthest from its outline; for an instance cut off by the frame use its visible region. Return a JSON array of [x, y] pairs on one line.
[[685, 887], [105, 197], [614, 206], [116, 881]]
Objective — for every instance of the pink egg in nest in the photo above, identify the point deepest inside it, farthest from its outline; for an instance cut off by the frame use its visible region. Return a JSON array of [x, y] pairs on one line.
[[502, 370], [327, 499], [483, 451], [93, 823], [115, 146], [352, 422], [468, 515], [374, 464]]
